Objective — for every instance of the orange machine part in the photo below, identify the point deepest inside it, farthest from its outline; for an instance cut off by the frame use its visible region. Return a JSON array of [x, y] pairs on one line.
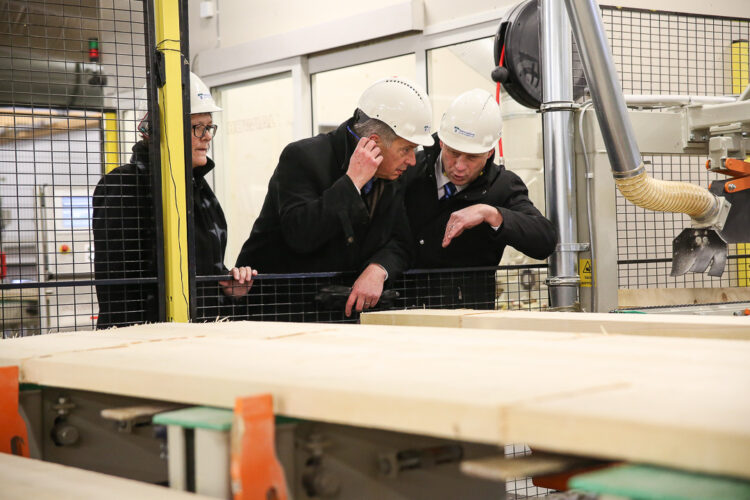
[[740, 171], [13, 436], [560, 480], [256, 472]]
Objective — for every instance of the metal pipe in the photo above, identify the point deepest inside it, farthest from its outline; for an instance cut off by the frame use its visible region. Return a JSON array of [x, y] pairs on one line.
[[630, 174], [604, 85], [557, 122]]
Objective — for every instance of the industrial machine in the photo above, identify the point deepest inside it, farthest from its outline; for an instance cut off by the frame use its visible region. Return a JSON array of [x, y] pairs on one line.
[[67, 256], [714, 126]]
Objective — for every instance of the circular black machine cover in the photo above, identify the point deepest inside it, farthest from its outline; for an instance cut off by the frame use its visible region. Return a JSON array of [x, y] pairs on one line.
[[521, 72]]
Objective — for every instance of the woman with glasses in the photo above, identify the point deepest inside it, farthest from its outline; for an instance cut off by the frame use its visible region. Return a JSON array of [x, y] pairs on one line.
[[125, 230]]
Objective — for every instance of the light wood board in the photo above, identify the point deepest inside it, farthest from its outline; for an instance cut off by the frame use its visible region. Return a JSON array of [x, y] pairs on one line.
[[646, 297], [676, 402], [27, 478], [663, 325]]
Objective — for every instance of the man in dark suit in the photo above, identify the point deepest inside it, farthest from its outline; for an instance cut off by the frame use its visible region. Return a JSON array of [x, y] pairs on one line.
[[463, 208], [332, 203]]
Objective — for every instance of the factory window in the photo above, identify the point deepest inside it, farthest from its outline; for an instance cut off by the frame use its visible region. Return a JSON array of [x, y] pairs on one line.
[[335, 92], [254, 126]]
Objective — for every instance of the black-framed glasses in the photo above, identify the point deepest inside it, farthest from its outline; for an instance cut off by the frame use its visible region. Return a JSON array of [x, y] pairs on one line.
[[200, 130]]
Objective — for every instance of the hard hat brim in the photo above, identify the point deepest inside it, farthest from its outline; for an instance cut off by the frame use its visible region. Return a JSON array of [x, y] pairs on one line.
[[465, 146], [421, 139]]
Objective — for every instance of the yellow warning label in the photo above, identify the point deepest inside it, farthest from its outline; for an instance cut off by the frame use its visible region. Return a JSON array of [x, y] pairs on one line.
[[584, 267], [743, 265]]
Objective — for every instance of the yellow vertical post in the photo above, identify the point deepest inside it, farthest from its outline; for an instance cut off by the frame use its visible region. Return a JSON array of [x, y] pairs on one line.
[[740, 80], [111, 143], [740, 66], [167, 15]]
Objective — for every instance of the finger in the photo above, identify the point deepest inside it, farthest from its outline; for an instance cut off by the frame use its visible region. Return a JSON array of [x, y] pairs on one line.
[[246, 274], [376, 152], [350, 303], [448, 236], [360, 303], [374, 301], [236, 273]]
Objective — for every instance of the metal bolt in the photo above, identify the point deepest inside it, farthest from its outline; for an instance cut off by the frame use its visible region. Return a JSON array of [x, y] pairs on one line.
[[731, 187]]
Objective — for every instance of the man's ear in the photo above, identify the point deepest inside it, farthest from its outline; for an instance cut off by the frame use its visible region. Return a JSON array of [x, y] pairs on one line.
[[374, 137]]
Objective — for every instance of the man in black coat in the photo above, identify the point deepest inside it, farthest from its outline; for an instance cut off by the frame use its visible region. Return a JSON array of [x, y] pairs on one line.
[[332, 203], [125, 235], [464, 209]]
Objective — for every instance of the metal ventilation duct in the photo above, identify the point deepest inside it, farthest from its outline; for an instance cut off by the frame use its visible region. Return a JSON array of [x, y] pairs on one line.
[[29, 80]]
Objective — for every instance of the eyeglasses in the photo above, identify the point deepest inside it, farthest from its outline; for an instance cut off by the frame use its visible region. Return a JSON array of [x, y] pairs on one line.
[[200, 130]]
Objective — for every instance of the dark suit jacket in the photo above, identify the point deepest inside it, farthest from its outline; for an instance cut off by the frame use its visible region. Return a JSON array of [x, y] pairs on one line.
[[125, 243], [313, 219], [524, 227]]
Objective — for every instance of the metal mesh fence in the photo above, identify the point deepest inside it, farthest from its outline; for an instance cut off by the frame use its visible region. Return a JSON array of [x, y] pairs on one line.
[[658, 52], [673, 53], [644, 237], [321, 297], [71, 92]]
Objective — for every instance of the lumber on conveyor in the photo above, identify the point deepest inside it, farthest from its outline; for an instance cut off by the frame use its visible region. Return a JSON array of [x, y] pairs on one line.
[[660, 325], [27, 478], [677, 402]]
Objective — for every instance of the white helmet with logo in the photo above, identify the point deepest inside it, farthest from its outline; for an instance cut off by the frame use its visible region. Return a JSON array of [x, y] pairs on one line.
[[473, 123], [201, 100], [403, 106]]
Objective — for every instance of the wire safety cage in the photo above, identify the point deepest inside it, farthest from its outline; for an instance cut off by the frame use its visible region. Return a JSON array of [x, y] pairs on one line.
[[72, 93], [674, 53]]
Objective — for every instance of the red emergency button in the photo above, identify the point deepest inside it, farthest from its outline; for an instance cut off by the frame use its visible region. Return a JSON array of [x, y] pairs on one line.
[[64, 248], [747, 311]]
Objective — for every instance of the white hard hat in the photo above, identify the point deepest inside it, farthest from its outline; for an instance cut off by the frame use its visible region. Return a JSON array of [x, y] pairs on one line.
[[200, 97], [473, 123], [401, 105]]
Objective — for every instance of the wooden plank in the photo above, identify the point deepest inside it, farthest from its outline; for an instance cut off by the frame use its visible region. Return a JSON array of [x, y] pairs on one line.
[[502, 468], [674, 402], [646, 297], [25, 478], [711, 327]]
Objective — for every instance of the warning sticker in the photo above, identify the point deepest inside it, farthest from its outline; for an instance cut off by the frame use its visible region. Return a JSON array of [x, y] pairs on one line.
[[584, 267]]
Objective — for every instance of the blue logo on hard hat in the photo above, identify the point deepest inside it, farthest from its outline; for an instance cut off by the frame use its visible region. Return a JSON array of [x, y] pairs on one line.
[[465, 133], [203, 95]]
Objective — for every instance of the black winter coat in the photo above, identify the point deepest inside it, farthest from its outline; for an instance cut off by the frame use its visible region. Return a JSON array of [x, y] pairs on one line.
[[524, 227], [125, 242], [313, 219]]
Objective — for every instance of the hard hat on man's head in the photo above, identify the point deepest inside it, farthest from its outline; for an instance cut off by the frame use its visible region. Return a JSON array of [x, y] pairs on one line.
[[401, 105], [201, 100], [473, 123]]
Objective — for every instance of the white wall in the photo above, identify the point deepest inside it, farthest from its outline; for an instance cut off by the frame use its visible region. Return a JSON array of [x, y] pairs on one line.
[[240, 21]]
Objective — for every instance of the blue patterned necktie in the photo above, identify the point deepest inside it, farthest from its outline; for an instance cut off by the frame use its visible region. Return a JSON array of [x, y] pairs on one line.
[[449, 189], [368, 187]]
